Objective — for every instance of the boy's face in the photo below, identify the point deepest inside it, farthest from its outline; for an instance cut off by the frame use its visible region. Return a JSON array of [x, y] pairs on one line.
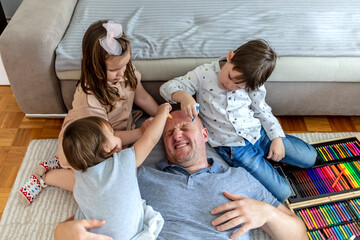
[[228, 78]]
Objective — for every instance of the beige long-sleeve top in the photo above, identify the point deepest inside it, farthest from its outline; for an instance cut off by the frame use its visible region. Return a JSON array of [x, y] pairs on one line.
[[86, 105]]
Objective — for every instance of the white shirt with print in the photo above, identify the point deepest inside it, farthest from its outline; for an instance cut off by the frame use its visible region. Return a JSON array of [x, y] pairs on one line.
[[229, 116]]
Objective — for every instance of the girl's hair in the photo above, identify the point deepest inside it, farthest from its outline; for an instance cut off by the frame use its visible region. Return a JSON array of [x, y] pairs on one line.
[[83, 142], [256, 61], [93, 68]]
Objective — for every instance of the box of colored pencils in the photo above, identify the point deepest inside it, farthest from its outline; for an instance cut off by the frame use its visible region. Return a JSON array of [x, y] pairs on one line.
[[337, 220], [336, 171]]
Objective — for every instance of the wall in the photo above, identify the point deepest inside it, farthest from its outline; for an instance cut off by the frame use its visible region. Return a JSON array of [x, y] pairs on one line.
[[3, 77], [9, 7]]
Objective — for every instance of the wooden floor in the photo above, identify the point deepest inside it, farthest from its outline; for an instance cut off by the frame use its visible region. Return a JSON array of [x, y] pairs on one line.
[[16, 132]]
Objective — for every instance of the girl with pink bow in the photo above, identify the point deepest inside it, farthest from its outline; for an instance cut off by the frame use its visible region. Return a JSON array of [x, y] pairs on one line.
[[109, 85]]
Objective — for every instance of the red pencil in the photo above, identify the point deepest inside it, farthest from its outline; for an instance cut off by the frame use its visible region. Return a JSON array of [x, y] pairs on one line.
[[338, 178]]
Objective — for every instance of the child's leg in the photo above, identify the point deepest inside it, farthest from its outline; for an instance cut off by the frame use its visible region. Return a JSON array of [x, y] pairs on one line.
[[251, 158], [45, 166], [31, 189], [63, 178], [297, 152]]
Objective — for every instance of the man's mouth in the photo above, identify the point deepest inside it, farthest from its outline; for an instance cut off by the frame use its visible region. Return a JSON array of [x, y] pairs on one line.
[[181, 145]]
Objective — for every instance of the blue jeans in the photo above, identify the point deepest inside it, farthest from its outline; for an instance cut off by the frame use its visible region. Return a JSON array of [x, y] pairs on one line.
[[253, 159]]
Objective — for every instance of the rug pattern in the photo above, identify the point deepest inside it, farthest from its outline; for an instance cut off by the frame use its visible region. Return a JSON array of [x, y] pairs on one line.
[[54, 205]]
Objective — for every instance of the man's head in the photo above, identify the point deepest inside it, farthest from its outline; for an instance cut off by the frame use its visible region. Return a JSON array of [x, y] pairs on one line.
[[184, 142], [248, 67]]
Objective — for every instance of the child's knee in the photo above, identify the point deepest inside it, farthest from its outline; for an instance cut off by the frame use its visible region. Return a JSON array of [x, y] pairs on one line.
[[284, 193], [311, 158]]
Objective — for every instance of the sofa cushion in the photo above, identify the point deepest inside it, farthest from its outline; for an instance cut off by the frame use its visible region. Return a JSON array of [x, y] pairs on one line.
[[287, 69], [192, 29]]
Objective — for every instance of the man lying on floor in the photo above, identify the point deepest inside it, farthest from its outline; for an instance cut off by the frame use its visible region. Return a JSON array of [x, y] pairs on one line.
[[198, 198]]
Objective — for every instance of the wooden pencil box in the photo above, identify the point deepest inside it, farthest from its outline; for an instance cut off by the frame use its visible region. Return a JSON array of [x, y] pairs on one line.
[[337, 158], [327, 196], [336, 220]]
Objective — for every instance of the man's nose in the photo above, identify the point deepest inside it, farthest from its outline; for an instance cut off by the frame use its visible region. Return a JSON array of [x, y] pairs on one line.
[[177, 134]]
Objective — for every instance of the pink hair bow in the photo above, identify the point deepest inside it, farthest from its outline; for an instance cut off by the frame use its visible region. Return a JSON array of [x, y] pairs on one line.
[[109, 43]]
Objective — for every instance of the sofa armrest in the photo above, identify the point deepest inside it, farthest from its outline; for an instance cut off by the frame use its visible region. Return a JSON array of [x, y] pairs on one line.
[[27, 48]]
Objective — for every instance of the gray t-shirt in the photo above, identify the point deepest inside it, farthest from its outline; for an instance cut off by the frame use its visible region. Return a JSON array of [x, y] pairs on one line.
[[185, 200], [110, 191]]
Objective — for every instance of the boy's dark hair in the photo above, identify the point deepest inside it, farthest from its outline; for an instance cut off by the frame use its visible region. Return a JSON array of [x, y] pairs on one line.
[[83, 142], [256, 61], [93, 68]]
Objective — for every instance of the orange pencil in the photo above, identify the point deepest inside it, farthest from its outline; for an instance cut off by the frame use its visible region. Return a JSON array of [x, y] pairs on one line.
[[338, 177]]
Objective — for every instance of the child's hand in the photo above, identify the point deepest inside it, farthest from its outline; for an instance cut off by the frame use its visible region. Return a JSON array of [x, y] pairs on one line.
[[188, 105], [164, 109], [145, 124], [277, 150]]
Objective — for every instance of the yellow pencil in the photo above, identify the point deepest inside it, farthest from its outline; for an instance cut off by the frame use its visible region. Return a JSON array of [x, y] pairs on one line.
[[311, 217]]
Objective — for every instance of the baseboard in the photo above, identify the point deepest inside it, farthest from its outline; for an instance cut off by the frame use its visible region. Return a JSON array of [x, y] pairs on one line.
[[29, 115]]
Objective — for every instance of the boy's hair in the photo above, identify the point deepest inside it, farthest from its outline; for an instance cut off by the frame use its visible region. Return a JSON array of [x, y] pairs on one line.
[[93, 68], [256, 61], [83, 142]]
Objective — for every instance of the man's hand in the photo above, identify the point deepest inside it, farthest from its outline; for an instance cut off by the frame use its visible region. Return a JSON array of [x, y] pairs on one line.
[[241, 210], [77, 230], [277, 150]]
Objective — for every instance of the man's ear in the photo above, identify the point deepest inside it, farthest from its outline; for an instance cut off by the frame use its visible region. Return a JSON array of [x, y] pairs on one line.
[[205, 134], [230, 56]]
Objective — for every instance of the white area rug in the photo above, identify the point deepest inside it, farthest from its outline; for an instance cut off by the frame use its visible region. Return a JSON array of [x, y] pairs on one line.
[[54, 205]]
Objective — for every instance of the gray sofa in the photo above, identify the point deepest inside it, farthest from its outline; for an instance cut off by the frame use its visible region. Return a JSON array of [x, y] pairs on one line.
[[298, 86]]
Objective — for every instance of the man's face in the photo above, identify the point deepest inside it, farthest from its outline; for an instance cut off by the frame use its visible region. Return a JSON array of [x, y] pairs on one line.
[[185, 140]]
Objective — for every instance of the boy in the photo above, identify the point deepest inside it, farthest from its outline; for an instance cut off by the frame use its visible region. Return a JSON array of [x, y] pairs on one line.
[[231, 94]]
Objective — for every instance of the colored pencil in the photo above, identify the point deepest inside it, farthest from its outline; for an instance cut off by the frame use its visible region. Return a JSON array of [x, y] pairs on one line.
[[338, 178]]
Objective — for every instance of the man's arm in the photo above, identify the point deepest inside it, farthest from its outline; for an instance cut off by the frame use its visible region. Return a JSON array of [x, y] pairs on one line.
[[282, 220], [254, 214]]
